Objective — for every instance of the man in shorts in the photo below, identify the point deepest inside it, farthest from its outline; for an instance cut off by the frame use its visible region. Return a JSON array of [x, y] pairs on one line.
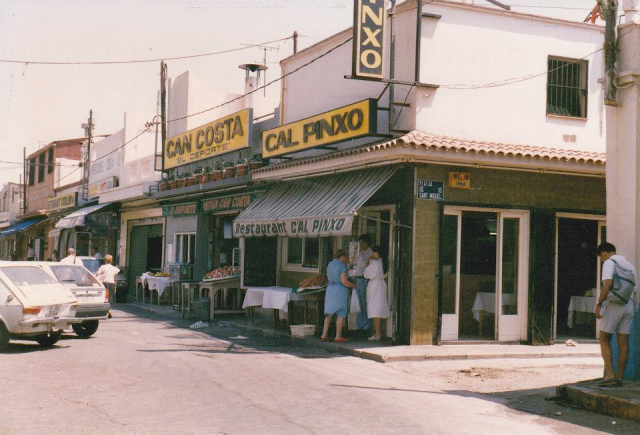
[[615, 316]]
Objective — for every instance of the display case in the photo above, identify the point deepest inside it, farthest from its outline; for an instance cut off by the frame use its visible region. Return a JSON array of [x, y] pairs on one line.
[[181, 272]]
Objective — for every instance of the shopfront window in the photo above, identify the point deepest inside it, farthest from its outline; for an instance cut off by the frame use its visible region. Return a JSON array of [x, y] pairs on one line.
[[301, 253], [185, 248]]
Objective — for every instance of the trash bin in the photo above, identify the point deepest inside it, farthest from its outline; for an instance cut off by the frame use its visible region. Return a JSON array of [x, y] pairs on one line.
[[200, 308]]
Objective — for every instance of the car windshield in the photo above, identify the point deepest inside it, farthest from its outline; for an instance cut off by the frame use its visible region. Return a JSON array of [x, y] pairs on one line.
[[27, 275], [74, 276], [92, 264]]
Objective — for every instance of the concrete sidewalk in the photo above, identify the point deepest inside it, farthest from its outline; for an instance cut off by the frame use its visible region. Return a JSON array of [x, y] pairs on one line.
[[385, 352], [623, 402]]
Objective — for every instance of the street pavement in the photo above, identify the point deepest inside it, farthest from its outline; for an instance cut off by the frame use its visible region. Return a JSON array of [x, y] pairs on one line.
[[145, 374]]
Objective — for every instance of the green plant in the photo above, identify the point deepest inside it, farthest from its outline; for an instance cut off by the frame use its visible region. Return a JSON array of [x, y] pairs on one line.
[[242, 161], [171, 177], [218, 166], [207, 169], [257, 158], [228, 164], [198, 170]]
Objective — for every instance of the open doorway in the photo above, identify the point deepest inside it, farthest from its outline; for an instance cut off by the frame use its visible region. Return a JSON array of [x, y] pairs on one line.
[[577, 277]]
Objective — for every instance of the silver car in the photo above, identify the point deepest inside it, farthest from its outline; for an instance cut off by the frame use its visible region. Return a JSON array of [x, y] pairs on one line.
[[93, 297]]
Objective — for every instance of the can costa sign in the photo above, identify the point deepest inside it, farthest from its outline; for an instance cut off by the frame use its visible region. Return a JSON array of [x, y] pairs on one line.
[[231, 133], [349, 122], [312, 227], [370, 18]]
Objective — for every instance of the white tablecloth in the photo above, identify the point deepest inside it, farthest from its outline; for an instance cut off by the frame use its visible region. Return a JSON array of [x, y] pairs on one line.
[[276, 298], [581, 304], [487, 302], [158, 283]]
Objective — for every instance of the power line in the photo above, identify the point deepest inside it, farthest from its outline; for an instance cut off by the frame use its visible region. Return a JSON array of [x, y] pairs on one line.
[[259, 88], [120, 62]]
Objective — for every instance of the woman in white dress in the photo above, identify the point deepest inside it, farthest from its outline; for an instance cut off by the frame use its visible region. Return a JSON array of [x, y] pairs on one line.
[[377, 307]]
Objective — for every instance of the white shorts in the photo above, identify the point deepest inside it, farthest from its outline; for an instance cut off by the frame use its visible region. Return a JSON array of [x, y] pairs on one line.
[[617, 318]]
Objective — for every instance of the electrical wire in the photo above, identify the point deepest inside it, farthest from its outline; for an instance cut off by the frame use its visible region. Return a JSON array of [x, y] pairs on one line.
[[259, 88], [121, 62]]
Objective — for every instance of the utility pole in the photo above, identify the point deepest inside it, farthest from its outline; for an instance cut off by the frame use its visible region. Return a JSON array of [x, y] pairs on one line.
[[88, 129], [295, 42], [24, 180], [163, 105], [623, 152]]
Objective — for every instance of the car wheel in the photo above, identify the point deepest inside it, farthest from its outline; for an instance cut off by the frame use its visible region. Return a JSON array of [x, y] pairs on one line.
[[4, 337], [50, 339], [85, 329]]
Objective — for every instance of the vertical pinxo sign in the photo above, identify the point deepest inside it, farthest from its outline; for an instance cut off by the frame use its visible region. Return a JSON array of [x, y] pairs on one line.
[[370, 17]]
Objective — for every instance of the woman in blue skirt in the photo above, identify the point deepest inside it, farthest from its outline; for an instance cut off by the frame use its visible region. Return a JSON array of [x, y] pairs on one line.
[[337, 297]]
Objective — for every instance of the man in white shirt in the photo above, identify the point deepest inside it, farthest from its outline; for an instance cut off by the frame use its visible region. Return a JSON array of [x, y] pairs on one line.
[[362, 259], [71, 258], [616, 315], [96, 254]]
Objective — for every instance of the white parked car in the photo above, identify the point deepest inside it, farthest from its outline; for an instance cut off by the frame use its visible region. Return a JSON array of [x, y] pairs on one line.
[[33, 305], [93, 297]]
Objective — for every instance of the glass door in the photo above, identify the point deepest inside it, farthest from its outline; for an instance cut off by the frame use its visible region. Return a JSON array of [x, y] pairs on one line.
[[484, 274]]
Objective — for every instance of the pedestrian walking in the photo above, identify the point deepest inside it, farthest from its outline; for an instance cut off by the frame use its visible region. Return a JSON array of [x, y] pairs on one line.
[[107, 274], [616, 308]]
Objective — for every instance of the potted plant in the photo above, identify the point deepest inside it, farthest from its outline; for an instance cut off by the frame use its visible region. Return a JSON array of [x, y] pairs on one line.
[[217, 171], [201, 176], [229, 169], [256, 162], [173, 183], [208, 175], [181, 180], [164, 182], [191, 179], [242, 167]]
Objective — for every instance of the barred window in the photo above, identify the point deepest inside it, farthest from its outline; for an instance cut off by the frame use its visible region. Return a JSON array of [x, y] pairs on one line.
[[41, 165], [52, 163], [567, 87]]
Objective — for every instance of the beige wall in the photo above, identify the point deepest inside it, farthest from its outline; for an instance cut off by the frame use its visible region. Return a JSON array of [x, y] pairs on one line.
[[489, 188]]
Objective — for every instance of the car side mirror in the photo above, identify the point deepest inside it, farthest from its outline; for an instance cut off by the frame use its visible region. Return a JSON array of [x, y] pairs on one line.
[[9, 298]]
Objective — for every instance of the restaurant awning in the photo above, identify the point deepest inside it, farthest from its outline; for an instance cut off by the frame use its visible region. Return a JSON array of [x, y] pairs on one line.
[[313, 207], [77, 218], [20, 226]]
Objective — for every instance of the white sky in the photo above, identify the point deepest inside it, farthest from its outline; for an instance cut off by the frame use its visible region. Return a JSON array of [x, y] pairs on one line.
[[40, 104]]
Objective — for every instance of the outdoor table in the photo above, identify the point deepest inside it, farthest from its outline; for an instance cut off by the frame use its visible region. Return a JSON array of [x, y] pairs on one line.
[[158, 284], [579, 305], [224, 285], [189, 288], [275, 298], [486, 303]]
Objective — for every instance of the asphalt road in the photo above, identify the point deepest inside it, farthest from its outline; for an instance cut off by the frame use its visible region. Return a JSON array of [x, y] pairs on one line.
[[140, 374]]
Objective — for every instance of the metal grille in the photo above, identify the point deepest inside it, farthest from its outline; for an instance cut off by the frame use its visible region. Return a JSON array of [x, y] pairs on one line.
[[567, 87]]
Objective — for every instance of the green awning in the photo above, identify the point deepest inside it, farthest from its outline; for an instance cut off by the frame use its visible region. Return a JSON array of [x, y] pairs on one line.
[[312, 207]]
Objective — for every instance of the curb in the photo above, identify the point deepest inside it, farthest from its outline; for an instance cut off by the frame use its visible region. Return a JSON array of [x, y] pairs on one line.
[[383, 358], [598, 402]]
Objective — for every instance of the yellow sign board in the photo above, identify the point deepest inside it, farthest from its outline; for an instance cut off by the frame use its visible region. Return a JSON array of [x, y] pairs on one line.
[[460, 180], [231, 133], [348, 122], [369, 38], [61, 202]]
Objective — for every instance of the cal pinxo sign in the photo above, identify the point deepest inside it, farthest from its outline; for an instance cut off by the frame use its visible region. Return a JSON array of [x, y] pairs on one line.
[[348, 122], [370, 17], [308, 227], [231, 133]]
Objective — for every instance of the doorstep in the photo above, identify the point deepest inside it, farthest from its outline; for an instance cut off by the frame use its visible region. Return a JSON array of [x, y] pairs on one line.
[[385, 352], [623, 402]]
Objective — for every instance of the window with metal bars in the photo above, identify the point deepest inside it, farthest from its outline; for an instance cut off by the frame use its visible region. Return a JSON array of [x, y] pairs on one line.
[[41, 168], [567, 87]]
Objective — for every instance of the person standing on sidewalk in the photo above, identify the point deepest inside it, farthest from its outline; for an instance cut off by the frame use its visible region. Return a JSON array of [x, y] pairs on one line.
[[362, 260], [616, 308]]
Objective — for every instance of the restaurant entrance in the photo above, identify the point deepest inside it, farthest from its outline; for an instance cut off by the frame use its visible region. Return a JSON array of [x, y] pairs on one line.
[[577, 274], [484, 270]]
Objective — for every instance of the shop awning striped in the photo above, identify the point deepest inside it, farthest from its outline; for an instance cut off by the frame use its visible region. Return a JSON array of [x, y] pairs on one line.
[[311, 207], [76, 219]]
